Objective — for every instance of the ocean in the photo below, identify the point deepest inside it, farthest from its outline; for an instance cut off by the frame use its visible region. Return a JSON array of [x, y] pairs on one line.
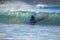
[[16, 25], [29, 32]]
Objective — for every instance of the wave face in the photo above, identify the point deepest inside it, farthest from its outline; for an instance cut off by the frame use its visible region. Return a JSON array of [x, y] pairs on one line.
[[20, 17], [15, 17]]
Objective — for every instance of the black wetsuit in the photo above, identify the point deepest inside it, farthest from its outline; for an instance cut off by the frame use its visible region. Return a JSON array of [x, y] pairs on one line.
[[32, 20]]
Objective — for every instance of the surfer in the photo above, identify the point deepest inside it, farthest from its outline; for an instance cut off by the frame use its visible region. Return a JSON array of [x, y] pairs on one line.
[[32, 20]]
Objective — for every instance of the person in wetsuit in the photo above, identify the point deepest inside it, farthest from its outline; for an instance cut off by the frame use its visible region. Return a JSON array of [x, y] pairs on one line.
[[32, 20]]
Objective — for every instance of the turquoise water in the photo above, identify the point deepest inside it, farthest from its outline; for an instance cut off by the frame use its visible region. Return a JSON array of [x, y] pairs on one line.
[[20, 17]]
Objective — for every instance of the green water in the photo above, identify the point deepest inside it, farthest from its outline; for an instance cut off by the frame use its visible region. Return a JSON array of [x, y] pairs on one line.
[[23, 16], [14, 17]]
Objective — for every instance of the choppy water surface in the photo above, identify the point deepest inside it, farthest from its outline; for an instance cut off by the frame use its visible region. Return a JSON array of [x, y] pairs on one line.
[[15, 21], [16, 26], [29, 32]]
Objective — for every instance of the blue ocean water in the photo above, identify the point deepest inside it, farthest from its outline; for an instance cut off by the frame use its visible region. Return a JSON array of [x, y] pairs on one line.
[[12, 25], [29, 32]]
